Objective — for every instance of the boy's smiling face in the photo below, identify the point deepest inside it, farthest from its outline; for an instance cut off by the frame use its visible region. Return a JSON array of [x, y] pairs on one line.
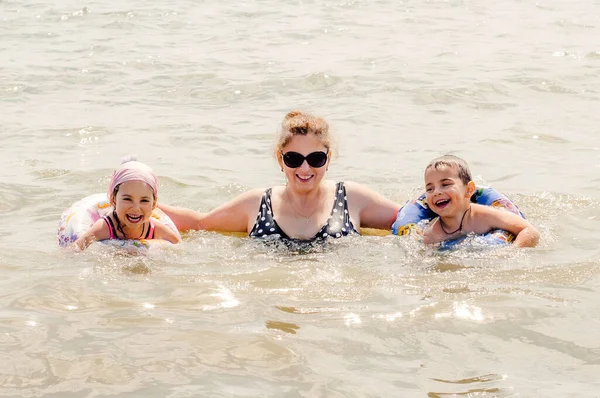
[[447, 195]]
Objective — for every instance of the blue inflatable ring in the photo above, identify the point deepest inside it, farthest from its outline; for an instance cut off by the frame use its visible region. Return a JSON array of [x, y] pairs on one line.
[[415, 215]]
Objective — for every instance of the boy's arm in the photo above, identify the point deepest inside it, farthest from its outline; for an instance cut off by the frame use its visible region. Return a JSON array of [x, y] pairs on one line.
[[526, 234], [433, 233], [161, 231], [98, 231]]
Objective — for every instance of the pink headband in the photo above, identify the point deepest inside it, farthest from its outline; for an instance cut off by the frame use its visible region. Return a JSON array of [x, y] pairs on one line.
[[133, 171]]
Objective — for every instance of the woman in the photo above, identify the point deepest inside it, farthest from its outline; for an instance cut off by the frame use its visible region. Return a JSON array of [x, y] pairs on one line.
[[308, 207]]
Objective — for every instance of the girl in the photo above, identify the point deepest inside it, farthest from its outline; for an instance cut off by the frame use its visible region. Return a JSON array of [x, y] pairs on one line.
[[133, 193], [448, 189]]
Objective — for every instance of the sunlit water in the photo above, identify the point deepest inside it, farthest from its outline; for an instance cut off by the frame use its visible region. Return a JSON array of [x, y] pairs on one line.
[[197, 90]]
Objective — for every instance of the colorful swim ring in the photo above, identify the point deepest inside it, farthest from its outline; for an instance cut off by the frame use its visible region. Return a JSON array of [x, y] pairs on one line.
[[78, 218], [415, 215]]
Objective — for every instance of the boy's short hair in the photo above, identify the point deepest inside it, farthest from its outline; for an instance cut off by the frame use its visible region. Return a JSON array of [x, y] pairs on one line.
[[452, 161]]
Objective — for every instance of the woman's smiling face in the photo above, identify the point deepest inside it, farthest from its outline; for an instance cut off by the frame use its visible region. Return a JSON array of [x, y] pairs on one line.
[[304, 178]]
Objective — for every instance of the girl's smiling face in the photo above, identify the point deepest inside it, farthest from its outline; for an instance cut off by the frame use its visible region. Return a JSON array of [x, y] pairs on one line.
[[447, 195], [134, 203]]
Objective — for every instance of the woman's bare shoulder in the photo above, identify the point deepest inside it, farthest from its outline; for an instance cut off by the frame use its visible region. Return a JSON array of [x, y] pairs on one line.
[[357, 189], [248, 199]]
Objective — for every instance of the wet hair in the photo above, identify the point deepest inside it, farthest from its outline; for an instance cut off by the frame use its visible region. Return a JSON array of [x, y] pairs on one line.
[[301, 123], [114, 213], [452, 161]]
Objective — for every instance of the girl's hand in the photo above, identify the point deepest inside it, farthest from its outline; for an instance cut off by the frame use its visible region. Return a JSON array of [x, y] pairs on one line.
[[98, 231], [75, 246]]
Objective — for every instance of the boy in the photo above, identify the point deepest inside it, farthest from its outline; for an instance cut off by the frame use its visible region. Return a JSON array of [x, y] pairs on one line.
[[448, 190]]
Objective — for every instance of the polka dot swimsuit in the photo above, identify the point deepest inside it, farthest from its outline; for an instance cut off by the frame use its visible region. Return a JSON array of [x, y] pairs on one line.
[[338, 224]]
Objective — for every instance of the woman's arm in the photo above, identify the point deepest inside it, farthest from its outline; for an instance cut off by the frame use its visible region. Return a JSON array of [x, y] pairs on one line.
[[374, 210], [98, 231], [184, 219], [526, 234], [233, 216]]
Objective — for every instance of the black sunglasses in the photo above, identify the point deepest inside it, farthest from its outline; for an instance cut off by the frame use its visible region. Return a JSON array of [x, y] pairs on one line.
[[295, 159]]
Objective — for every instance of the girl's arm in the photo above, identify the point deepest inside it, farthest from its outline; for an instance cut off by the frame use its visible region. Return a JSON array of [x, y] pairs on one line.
[[98, 231], [526, 234], [374, 210], [232, 216], [161, 231]]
